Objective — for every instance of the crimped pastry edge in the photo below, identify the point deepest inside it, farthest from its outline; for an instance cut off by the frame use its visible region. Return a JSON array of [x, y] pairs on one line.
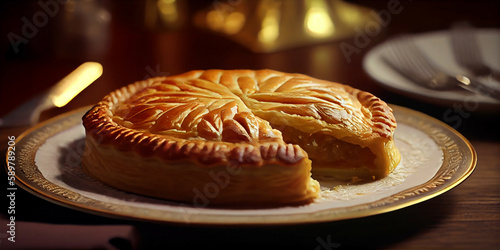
[[99, 124], [239, 186]]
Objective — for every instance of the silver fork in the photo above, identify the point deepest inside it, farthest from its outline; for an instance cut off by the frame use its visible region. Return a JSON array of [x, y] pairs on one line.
[[467, 52], [405, 57]]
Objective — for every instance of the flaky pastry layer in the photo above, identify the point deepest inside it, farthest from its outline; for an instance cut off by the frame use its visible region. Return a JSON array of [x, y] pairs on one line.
[[260, 120]]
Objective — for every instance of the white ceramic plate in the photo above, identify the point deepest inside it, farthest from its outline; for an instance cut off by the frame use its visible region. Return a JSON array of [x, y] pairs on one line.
[[437, 47], [435, 158]]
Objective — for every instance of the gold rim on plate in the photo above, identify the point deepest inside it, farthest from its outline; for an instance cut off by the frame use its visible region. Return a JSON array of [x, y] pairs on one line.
[[459, 161]]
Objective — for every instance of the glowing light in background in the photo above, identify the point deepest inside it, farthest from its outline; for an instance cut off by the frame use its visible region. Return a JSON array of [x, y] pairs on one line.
[[317, 21], [230, 24], [75, 82], [349, 14], [265, 26], [234, 23], [164, 14], [213, 20], [270, 26], [168, 10]]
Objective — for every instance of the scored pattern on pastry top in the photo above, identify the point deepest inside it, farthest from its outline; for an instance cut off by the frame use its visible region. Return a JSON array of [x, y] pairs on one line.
[[218, 116], [284, 90], [193, 109], [219, 106]]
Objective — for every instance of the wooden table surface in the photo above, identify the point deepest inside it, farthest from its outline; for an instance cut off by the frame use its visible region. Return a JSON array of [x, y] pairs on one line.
[[466, 217]]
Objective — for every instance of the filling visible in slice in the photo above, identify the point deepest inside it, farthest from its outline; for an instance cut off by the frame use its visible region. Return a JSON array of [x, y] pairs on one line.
[[330, 156]]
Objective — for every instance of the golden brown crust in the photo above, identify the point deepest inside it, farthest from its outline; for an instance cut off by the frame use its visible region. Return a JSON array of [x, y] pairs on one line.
[[248, 82], [384, 122], [257, 84], [99, 124], [215, 118]]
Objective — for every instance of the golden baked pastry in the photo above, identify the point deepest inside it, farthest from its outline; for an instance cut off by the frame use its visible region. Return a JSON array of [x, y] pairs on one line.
[[237, 137]]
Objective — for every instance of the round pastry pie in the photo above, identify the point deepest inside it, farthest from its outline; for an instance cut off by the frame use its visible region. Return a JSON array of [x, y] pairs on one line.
[[237, 137]]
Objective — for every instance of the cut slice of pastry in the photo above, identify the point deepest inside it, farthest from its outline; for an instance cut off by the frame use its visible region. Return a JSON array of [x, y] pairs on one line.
[[237, 137]]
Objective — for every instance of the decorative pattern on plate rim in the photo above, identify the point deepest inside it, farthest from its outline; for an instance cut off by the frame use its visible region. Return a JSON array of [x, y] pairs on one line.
[[32, 176], [455, 157]]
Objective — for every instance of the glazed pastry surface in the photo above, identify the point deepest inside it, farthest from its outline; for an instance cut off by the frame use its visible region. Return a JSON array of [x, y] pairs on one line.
[[255, 134]]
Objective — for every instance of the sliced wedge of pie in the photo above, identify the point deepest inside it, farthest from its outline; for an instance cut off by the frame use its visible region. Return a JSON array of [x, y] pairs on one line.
[[237, 137]]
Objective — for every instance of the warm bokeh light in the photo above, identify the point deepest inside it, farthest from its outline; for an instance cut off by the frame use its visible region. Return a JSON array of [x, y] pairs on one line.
[[229, 24], [349, 14], [168, 10], [75, 82], [214, 20], [273, 25], [270, 26], [234, 23], [317, 21]]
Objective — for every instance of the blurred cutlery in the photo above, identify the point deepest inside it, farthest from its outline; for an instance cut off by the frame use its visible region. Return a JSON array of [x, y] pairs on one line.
[[467, 52], [57, 96], [405, 57]]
